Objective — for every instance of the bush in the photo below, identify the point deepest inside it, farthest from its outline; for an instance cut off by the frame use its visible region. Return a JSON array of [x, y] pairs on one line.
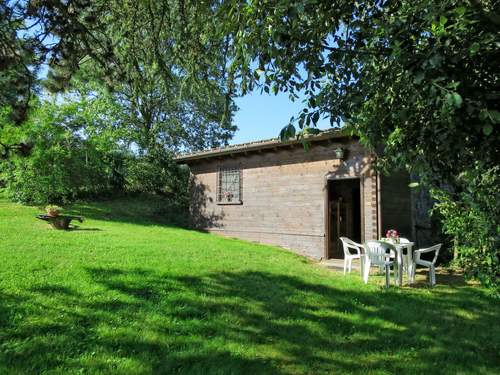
[[472, 218], [158, 173], [58, 175], [65, 162], [74, 156]]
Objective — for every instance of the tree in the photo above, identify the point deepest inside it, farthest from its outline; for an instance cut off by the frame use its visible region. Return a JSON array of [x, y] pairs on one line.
[[157, 76], [418, 81], [32, 34], [76, 152], [161, 56], [164, 82]]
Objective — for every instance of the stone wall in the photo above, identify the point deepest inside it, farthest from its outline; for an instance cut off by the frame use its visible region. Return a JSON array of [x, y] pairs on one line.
[[396, 204], [283, 195]]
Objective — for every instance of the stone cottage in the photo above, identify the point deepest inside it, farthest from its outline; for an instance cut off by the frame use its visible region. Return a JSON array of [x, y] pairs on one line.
[[278, 193]]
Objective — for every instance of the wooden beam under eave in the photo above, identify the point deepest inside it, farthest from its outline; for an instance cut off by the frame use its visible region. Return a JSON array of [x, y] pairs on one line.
[[343, 140]]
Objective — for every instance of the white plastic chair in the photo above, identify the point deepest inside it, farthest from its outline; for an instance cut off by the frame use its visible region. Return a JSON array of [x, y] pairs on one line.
[[379, 253], [431, 265], [349, 256]]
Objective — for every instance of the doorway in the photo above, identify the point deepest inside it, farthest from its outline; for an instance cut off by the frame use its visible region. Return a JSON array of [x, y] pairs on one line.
[[344, 214]]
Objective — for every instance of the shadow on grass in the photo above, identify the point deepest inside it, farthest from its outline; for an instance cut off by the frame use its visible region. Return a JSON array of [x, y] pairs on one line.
[[52, 290], [444, 276], [145, 209], [77, 228], [245, 322], [113, 211], [149, 209]]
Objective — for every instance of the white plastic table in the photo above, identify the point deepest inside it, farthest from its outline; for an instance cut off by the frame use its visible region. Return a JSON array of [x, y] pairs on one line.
[[399, 258], [409, 257]]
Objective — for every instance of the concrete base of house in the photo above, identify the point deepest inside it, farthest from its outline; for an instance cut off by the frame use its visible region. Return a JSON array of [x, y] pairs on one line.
[[338, 264]]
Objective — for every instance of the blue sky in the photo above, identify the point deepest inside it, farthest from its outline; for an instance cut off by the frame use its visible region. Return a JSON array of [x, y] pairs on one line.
[[262, 116]]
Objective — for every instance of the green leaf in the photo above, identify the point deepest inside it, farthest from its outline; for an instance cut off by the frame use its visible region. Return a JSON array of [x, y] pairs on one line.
[[315, 118], [494, 116], [457, 99], [460, 11], [419, 77], [443, 20], [454, 99], [301, 122], [287, 132], [487, 129], [474, 48], [449, 98], [436, 60]]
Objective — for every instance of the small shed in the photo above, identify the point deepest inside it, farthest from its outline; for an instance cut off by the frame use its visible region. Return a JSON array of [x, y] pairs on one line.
[[278, 193]]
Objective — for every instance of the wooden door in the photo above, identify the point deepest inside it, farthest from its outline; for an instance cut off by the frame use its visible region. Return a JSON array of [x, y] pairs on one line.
[[340, 213]]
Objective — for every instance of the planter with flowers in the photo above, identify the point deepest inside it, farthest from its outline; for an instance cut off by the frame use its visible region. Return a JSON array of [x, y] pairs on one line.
[[228, 196], [53, 211], [392, 236], [53, 217]]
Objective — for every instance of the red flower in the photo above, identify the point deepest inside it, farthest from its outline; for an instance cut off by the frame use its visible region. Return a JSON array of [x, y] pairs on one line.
[[392, 233]]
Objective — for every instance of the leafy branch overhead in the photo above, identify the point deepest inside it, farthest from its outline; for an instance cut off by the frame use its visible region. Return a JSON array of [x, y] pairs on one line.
[[417, 77]]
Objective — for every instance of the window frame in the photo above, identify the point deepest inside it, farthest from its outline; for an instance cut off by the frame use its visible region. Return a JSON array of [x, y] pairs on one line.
[[218, 192]]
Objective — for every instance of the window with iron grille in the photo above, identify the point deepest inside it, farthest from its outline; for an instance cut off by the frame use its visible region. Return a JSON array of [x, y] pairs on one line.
[[229, 185]]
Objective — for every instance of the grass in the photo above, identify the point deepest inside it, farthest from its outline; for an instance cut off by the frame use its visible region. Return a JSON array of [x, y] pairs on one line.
[[126, 294]]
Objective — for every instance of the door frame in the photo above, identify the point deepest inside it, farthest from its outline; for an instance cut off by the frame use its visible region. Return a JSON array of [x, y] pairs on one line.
[[331, 177]]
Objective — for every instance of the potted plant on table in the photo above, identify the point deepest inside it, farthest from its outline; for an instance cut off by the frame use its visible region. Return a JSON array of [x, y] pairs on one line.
[[392, 235]]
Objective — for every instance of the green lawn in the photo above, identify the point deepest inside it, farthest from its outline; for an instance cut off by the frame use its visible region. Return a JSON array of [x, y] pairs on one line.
[[132, 296]]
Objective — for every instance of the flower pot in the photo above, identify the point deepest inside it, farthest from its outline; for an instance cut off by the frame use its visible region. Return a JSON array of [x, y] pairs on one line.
[[53, 212]]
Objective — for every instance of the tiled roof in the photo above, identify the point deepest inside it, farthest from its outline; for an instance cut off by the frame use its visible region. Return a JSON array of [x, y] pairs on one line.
[[258, 145]]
